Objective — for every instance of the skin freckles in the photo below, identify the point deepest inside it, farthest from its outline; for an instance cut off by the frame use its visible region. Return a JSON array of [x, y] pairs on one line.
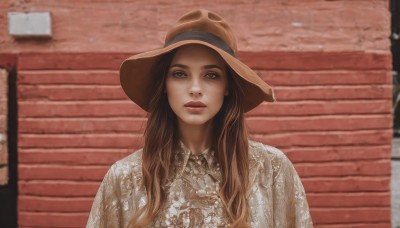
[[196, 86]]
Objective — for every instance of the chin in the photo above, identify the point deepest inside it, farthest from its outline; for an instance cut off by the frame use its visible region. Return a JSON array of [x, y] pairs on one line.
[[195, 121]]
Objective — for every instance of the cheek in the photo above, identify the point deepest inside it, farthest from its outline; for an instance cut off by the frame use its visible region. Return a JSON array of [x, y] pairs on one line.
[[173, 92], [218, 95], [220, 90], [169, 87]]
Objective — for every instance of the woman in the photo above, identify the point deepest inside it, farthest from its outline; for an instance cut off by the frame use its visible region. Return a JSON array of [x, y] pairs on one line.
[[197, 167]]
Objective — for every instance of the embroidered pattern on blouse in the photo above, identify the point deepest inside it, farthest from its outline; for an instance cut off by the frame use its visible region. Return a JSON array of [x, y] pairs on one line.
[[276, 197]]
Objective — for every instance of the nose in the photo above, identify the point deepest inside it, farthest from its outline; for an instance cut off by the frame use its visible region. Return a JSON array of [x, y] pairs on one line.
[[195, 87]]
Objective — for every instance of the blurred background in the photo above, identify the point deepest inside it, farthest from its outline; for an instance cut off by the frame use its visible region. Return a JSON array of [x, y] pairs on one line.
[[64, 118]]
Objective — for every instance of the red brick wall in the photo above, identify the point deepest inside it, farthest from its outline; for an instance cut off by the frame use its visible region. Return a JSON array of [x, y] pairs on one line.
[[328, 60]]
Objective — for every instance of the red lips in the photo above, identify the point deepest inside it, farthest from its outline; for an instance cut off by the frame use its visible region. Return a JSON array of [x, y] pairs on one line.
[[195, 104], [195, 107]]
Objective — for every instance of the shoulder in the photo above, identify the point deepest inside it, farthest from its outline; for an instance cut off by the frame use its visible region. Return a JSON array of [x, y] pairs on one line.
[[277, 173], [131, 161], [134, 159], [268, 159], [128, 169], [262, 152]]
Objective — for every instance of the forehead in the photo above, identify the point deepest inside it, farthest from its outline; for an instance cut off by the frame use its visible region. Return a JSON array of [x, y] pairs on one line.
[[197, 54]]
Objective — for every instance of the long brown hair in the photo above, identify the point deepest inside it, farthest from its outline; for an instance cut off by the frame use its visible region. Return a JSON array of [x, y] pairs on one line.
[[230, 144]]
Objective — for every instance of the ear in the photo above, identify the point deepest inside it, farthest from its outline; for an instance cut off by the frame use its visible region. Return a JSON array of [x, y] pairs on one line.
[[226, 92]]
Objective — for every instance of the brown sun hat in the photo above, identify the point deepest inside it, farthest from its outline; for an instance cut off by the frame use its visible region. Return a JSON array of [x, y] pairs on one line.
[[196, 27]]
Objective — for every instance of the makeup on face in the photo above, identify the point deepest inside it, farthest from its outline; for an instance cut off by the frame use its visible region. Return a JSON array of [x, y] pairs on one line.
[[196, 84]]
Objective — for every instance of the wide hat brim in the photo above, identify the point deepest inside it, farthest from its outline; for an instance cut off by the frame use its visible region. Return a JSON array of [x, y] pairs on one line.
[[138, 80]]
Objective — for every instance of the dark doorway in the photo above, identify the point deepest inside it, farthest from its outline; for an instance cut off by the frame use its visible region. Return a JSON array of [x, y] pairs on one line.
[[395, 48], [9, 192]]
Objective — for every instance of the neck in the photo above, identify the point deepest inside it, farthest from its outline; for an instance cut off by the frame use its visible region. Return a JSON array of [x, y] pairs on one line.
[[196, 138]]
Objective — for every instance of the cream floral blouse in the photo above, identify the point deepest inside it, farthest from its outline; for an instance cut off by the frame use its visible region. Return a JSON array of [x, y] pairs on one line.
[[277, 197]]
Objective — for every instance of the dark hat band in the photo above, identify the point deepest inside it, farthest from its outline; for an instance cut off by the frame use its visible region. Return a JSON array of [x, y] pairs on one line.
[[202, 36]]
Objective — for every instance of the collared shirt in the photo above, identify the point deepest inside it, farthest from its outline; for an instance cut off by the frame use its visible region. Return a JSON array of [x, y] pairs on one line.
[[276, 197]]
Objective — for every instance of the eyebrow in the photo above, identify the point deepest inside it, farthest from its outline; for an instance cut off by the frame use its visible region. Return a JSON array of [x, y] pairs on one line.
[[205, 66]]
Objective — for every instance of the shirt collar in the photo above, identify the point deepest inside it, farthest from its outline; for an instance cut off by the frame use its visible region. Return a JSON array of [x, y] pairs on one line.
[[183, 154]]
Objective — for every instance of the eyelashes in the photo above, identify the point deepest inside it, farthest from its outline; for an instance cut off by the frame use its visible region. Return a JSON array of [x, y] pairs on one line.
[[178, 74], [182, 74], [212, 75]]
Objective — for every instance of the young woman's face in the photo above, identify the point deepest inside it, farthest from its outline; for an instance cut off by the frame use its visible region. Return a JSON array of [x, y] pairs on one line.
[[196, 84]]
